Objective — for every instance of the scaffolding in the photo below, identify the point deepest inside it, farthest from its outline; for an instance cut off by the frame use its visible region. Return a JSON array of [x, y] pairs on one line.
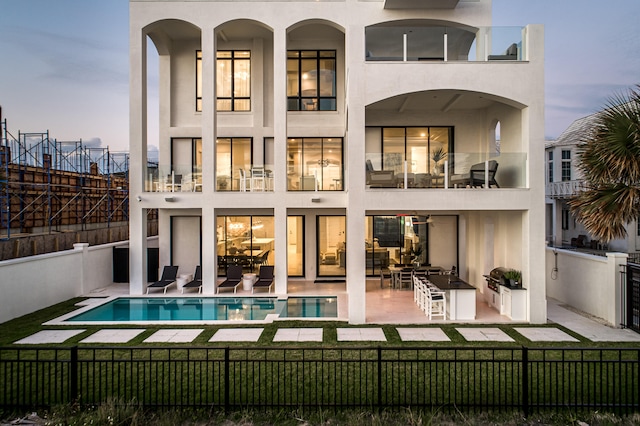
[[48, 185]]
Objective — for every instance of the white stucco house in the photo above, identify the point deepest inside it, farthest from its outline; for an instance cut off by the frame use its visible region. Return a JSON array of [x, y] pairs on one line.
[[334, 139], [564, 180]]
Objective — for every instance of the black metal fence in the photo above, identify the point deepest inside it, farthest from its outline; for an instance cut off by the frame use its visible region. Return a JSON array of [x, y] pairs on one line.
[[472, 379], [630, 296]]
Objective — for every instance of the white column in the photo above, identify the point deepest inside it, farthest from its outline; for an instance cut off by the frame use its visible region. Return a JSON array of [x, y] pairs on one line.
[[356, 272], [209, 238], [280, 155], [138, 160]]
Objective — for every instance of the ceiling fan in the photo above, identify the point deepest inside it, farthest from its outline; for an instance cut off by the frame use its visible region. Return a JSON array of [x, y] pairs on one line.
[[428, 221]]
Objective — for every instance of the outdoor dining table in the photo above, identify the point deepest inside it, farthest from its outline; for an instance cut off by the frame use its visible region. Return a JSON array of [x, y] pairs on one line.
[[246, 257], [395, 271], [461, 296]]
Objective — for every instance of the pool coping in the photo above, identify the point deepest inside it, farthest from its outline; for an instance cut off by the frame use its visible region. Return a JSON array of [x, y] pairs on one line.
[[91, 303]]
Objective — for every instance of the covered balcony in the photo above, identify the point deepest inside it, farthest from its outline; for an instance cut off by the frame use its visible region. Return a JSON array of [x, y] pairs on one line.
[[245, 178], [418, 170], [424, 40]]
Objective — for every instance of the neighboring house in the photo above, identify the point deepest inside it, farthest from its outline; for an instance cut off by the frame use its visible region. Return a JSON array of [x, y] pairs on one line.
[[333, 139], [564, 180]]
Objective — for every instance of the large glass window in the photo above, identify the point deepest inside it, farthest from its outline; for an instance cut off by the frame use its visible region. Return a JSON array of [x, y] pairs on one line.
[[246, 241], [295, 246], [311, 80], [332, 255], [410, 240], [566, 165], [233, 80], [198, 80], [422, 150], [314, 164], [233, 159], [550, 166], [186, 165]]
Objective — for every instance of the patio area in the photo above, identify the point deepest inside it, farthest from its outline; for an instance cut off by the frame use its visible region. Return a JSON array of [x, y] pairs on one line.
[[384, 305]]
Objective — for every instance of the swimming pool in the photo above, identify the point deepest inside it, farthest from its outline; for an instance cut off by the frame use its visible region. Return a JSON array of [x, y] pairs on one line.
[[196, 310]]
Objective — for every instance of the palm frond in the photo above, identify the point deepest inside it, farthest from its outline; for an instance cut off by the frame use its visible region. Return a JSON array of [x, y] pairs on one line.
[[609, 158]]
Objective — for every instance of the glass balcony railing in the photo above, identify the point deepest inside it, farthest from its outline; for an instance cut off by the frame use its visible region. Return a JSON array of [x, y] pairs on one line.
[[255, 178], [444, 43], [177, 178], [457, 170]]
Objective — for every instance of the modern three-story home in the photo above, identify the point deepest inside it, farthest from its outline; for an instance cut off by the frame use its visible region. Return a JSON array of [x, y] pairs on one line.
[[336, 139]]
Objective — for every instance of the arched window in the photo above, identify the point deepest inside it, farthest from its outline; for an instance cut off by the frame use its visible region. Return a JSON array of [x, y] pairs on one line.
[[494, 137]]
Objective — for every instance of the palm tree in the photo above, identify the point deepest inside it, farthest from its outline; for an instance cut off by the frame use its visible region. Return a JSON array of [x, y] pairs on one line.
[[609, 158]]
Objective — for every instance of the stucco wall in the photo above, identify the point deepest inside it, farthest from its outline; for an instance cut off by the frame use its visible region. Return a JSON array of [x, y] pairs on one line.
[[36, 282], [33, 283], [586, 282]]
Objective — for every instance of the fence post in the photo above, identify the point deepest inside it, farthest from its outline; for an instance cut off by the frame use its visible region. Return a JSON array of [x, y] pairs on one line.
[[73, 375], [226, 378], [379, 378], [525, 381]]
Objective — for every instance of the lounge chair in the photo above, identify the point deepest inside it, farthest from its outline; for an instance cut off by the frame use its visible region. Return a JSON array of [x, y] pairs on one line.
[[234, 278], [169, 274], [196, 282], [265, 278], [475, 177], [379, 178]]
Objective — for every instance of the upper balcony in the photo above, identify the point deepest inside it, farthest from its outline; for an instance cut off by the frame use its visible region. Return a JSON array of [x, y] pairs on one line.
[[564, 189], [423, 40], [458, 170], [177, 178], [188, 178]]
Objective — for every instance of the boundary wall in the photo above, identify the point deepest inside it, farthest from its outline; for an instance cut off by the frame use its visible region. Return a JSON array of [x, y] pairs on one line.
[[36, 282], [32, 283], [586, 282]]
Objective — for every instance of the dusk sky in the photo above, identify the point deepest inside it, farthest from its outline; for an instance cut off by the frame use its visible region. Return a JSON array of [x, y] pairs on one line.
[[65, 63]]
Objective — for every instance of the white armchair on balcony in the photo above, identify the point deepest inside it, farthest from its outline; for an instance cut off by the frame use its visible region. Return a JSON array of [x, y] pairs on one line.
[[244, 179], [258, 179]]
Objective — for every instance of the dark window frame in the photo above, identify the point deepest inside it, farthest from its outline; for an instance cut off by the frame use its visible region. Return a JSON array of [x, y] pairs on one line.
[[295, 103]]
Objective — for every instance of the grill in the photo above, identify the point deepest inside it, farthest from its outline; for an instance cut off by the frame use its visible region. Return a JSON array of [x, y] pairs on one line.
[[495, 277]]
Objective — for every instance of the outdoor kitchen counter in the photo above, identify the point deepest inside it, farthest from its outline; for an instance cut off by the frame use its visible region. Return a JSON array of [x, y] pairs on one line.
[[461, 296]]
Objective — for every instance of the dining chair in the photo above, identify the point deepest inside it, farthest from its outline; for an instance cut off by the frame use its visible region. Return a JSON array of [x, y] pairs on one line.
[[436, 303], [405, 279], [258, 179]]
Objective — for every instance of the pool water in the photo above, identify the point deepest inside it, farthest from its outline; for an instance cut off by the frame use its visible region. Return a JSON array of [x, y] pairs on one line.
[[135, 309]]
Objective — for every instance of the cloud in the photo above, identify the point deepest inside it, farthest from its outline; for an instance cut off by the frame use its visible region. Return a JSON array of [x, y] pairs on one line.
[[566, 103], [72, 59], [92, 143], [153, 153]]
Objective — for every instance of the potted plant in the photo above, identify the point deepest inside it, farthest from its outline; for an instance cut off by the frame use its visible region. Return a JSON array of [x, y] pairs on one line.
[[416, 254], [514, 276], [437, 155]]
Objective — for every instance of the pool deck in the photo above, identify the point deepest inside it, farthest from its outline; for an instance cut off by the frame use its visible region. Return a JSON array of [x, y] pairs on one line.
[[384, 306]]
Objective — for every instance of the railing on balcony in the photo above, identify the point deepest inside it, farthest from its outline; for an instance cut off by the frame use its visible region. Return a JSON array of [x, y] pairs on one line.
[[444, 43], [565, 189], [177, 178], [457, 170], [253, 178]]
